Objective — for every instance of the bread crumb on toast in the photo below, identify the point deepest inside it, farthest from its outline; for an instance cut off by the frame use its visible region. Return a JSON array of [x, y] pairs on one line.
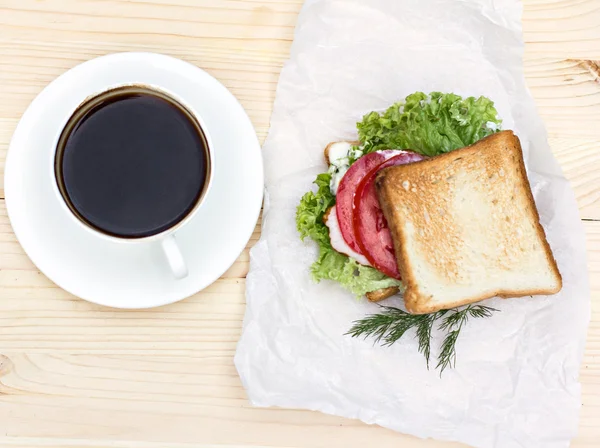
[[466, 228]]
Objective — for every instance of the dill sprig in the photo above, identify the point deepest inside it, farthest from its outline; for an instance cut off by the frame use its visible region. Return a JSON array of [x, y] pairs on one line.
[[392, 323]]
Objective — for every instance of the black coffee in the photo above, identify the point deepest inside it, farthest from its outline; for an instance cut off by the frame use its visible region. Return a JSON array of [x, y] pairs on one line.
[[132, 162]]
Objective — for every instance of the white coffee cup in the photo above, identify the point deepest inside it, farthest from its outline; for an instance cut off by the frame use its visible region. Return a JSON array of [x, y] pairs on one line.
[[166, 238]]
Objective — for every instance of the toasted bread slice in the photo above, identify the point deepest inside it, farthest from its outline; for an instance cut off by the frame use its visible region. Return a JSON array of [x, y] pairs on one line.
[[382, 294], [465, 227], [329, 147]]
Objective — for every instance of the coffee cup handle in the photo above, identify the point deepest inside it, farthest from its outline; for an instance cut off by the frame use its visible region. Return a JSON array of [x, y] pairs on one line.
[[174, 257]]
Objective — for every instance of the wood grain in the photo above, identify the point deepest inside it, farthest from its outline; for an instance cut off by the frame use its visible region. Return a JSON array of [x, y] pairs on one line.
[[78, 375], [71, 368], [74, 372]]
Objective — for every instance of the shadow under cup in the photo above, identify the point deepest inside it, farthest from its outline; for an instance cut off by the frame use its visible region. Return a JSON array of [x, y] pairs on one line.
[[132, 162]]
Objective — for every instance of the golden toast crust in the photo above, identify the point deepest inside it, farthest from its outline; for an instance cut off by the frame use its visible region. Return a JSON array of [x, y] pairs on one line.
[[382, 294]]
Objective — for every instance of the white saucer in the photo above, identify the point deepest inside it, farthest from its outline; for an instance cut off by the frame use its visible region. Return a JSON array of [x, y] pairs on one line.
[[134, 276]]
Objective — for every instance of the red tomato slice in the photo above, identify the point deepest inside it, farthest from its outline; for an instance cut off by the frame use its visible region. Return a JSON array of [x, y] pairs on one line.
[[370, 227], [347, 189]]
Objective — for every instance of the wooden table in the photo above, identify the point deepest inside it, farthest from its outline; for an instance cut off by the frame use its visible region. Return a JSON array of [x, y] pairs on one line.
[[78, 375]]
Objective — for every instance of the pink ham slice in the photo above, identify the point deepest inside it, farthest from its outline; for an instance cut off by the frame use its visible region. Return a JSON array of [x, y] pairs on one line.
[[337, 240], [347, 189], [370, 227]]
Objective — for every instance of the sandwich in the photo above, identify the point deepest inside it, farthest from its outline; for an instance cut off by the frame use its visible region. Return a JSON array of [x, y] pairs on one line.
[[432, 202]]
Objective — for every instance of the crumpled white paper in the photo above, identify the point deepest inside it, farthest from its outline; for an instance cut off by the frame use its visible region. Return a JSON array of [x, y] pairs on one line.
[[516, 378]]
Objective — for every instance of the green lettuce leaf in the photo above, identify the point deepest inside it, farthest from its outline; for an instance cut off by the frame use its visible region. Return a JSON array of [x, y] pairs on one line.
[[310, 211], [356, 278], [429, 124], [332, 265]]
